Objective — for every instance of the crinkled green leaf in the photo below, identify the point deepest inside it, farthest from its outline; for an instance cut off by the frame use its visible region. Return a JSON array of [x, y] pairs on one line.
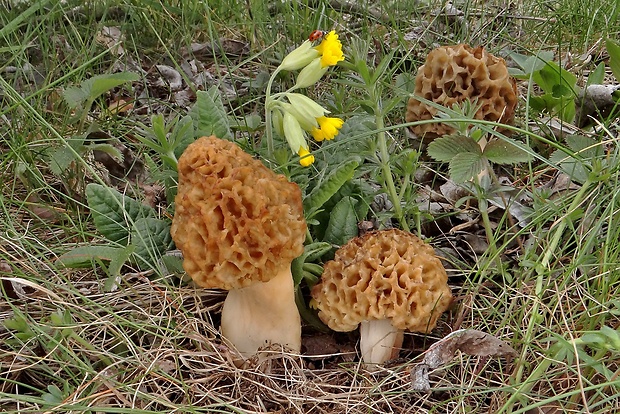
[[613, 48], [114, 213], [465, 166], [447, 147], [343, 220], [505, 151], [151, 238], [329, 186], [209, 115]]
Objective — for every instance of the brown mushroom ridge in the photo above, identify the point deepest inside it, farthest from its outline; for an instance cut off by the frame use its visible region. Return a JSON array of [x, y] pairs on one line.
[[236, 221], [389, 274], [453, 74]]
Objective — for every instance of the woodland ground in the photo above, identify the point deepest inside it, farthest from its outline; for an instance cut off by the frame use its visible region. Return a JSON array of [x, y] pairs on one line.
[[124, 337]]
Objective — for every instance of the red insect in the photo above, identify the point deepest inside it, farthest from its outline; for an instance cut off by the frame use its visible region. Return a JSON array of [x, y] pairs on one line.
[[316, 35]]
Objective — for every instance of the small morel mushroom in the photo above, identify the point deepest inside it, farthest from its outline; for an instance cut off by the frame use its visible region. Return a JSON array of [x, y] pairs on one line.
[[386, 281], [239, 226], [453, 74]]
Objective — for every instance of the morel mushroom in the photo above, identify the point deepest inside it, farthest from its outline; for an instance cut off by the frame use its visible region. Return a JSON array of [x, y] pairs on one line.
[[388, 281], [453, 74], [239, 226]]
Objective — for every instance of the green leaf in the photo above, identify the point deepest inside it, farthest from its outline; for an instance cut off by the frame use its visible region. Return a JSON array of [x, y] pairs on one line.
[[100, 84], [62, 157], [84, 256], [311, 253], [447, 147], [465, 166], [551, 75], [96, 86], [531, 64], [113, 212], [75, 96], [539, 104], [330, 186], [342, 225], [109, 149], [54, 396], [569, 165], [209, 115], [182, 135], [585, 146], [151, 238], [613, 48], [561, 91], [597, 76], [505, 151]]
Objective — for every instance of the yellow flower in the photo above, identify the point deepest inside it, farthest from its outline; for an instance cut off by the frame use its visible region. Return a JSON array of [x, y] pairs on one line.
[[305, 158], [329, 54], [328, 128], [330, 50]]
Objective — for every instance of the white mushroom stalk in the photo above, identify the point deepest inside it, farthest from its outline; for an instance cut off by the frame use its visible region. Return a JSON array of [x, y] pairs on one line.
[[261, 315], [380, 341]]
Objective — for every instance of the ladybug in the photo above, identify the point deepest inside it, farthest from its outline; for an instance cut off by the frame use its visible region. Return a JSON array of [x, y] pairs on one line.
[[316, 35]]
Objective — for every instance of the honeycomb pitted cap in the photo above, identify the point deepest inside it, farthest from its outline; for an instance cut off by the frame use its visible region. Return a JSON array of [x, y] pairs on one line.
[[387, 274], [453, 74], [236, 221]]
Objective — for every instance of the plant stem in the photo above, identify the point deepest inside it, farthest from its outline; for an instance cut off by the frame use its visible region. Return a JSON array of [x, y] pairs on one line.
[[268, 124], [384, 156]]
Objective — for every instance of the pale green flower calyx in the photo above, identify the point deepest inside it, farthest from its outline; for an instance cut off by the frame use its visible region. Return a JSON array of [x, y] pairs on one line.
[[300, 57]]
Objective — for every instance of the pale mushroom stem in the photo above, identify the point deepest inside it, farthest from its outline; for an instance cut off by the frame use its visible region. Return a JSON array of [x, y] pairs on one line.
[[262, 314], [379, 342]]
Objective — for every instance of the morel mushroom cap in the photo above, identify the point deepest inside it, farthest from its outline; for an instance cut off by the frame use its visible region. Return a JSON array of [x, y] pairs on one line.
[[239, 226], [453, 74], [388, 281]]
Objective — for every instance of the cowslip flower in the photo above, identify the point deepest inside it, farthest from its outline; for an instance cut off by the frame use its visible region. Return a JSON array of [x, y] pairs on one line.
[[295, 137], [328, 128], [329, 54], [302, 115]]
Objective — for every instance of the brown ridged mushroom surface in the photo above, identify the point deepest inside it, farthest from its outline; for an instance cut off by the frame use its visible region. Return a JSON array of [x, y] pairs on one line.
[[388, 275], [239, 226], [453, 74]]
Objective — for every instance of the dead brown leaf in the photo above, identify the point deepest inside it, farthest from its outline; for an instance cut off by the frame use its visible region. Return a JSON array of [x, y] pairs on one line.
[[468, 341]]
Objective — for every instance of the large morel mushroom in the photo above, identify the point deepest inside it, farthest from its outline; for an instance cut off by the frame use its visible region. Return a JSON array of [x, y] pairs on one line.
[[453, 74], [239, 226], [386, 282]]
